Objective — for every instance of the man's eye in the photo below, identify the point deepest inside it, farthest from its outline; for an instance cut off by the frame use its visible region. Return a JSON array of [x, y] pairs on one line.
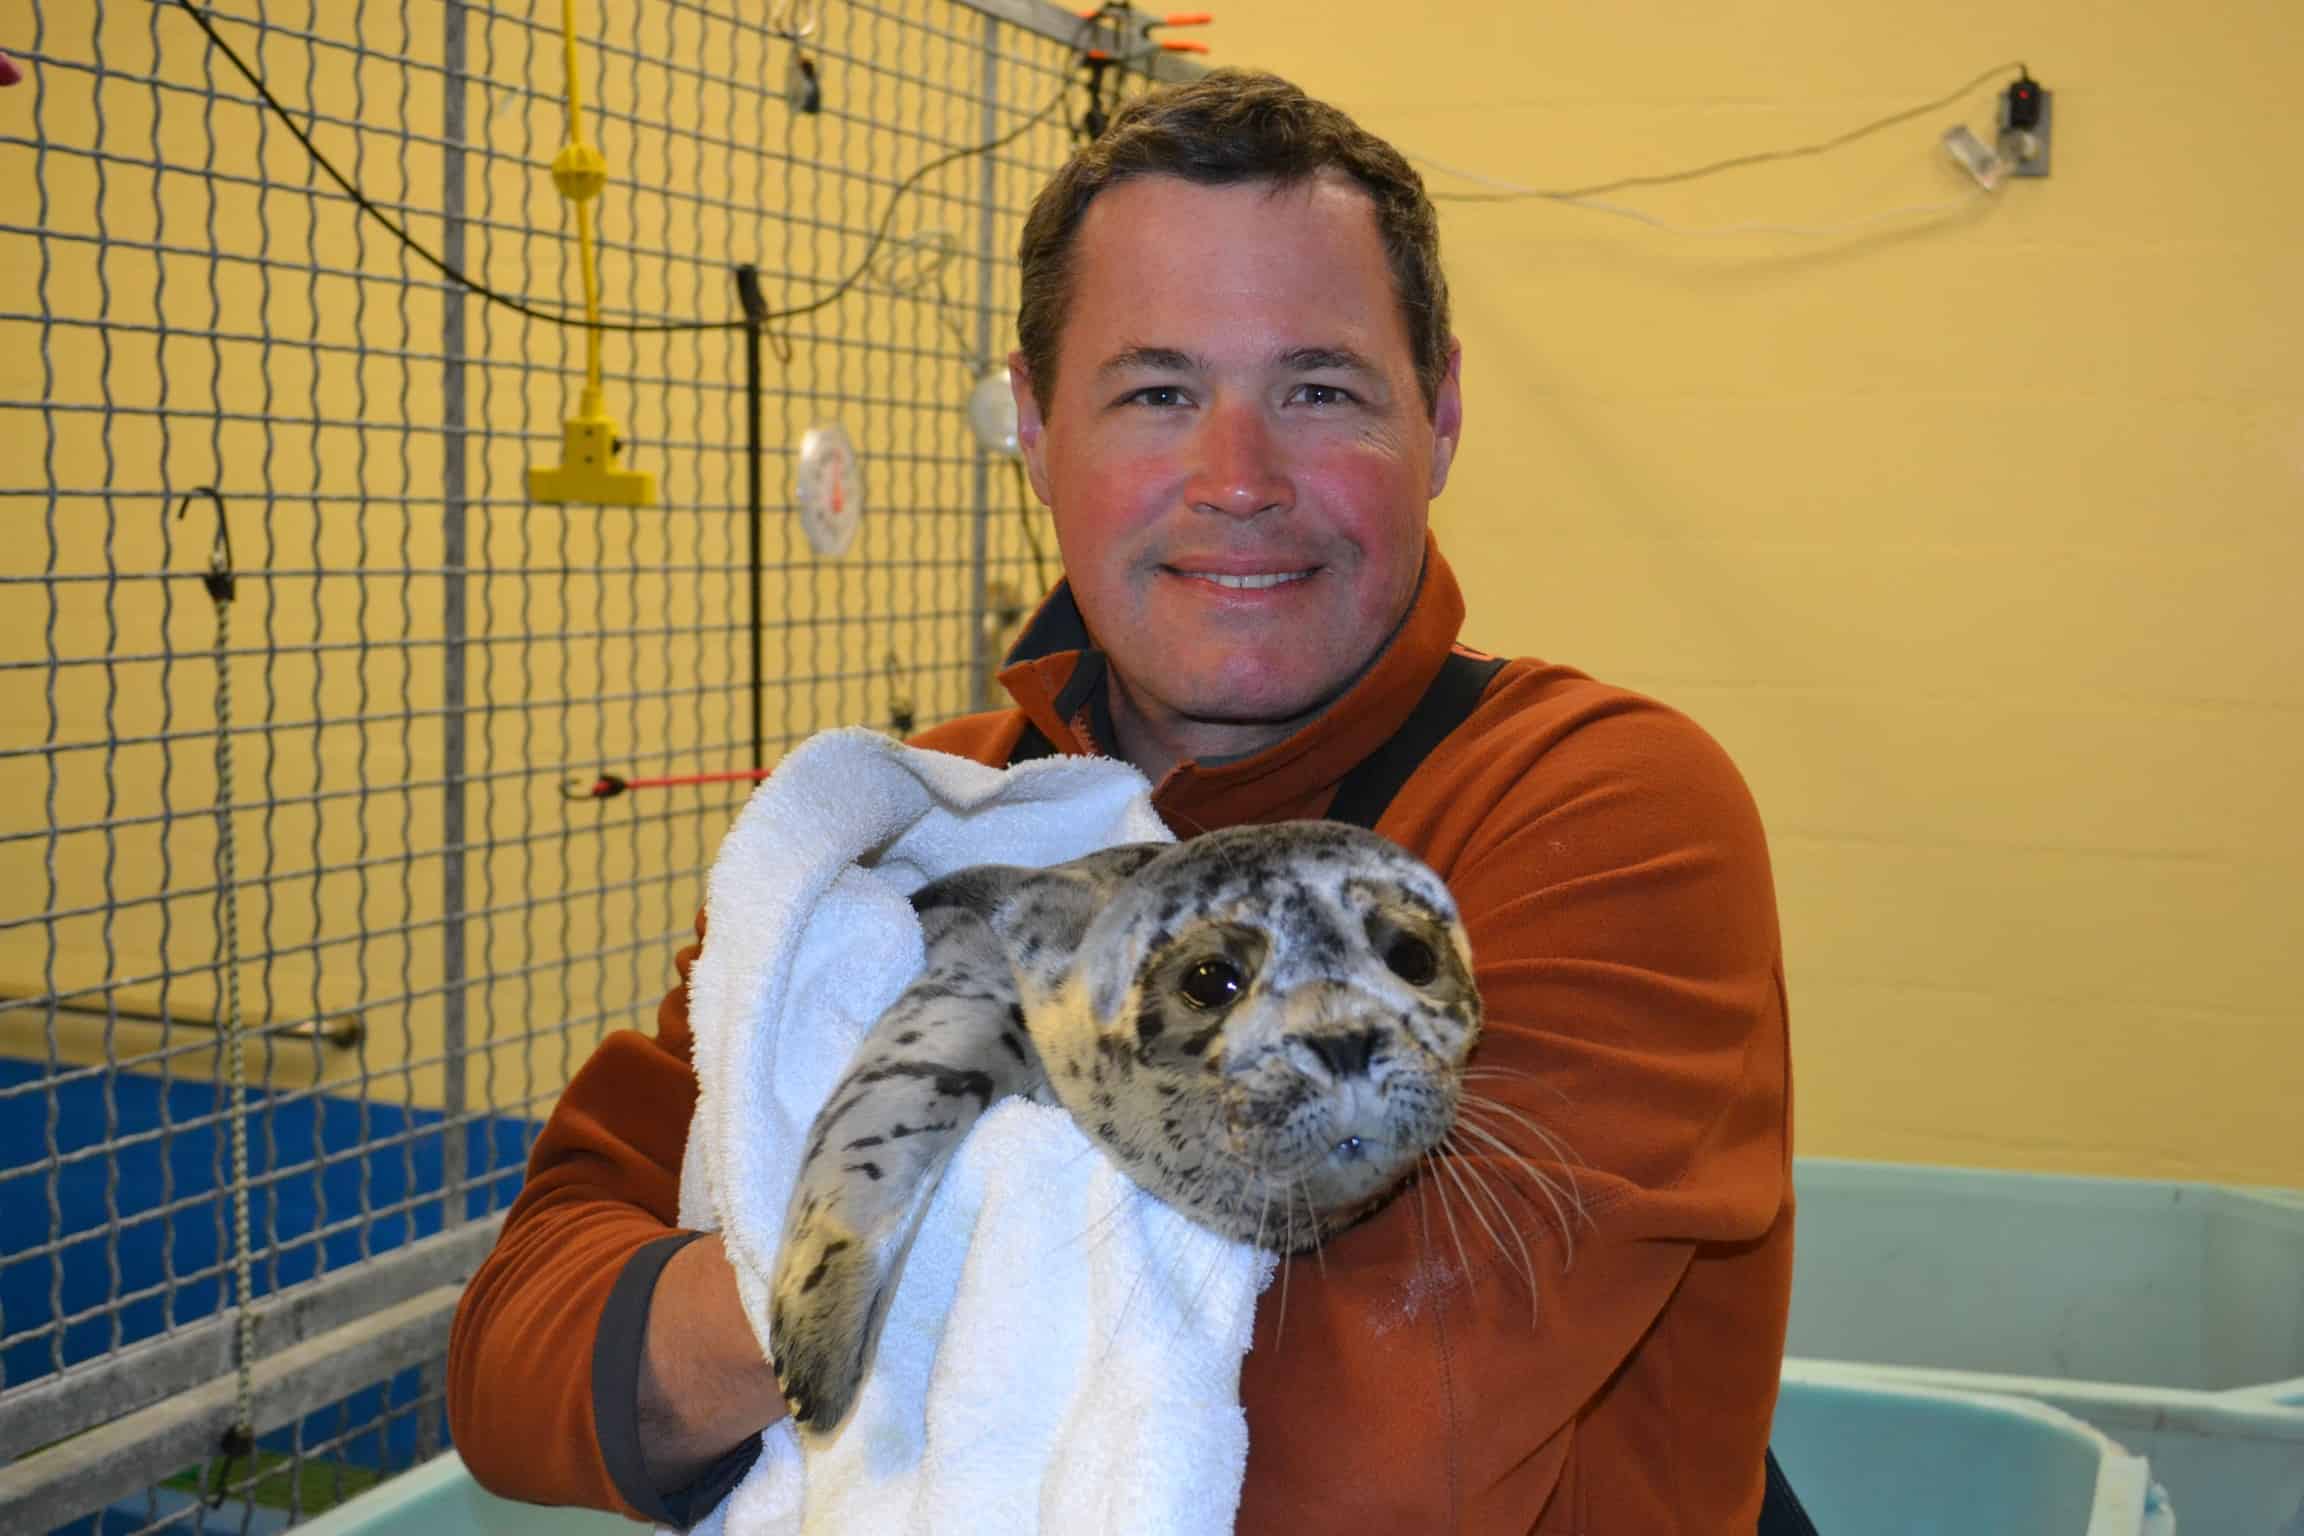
[[1323, 394], [1156, 394]]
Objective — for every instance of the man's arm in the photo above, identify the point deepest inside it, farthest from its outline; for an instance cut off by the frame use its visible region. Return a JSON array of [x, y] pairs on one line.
[[703, 1387], [600, 1356], [1615, 884]]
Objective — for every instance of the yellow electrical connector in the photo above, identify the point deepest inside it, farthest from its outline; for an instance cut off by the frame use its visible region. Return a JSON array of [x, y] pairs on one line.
[[589, 444]]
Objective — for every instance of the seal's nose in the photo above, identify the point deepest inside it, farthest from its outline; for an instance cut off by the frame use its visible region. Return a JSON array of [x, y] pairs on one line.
[[1345, 1054]]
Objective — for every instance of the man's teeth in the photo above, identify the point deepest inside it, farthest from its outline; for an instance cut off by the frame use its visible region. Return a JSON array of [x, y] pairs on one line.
[[1254, 583]]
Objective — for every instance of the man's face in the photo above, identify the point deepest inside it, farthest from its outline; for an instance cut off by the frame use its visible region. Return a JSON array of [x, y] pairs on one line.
[[1237, 453]]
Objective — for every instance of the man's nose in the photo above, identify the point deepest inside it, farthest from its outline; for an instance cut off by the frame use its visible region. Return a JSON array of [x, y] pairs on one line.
[[1239, 470]]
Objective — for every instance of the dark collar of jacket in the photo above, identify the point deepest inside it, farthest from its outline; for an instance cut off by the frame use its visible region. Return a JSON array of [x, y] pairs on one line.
[[1058, 678]]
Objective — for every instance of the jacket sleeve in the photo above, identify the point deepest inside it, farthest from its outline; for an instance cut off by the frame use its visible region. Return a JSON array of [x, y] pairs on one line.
[[603, 1183], [1624, 1127]]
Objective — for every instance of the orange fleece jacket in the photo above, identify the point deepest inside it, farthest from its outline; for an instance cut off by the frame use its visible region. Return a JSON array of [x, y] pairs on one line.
[[1614, 882]]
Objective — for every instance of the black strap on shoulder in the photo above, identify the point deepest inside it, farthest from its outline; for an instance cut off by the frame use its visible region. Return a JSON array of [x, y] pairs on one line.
[[1034, 743], [1780, 1511], [1454, 694], [1369, 787]]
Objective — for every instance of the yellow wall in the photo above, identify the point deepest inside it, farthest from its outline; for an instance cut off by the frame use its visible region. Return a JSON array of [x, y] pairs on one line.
[[1976, 540]]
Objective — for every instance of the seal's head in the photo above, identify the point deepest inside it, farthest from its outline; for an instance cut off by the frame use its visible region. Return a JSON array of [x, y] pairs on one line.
[[1266, 1027]]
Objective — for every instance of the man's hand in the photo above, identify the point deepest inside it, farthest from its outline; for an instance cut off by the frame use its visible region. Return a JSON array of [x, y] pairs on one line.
[[703, 1386]]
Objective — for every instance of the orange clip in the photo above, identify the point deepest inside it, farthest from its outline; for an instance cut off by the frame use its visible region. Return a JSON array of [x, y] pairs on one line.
[[1182, 45], [1186, 19]]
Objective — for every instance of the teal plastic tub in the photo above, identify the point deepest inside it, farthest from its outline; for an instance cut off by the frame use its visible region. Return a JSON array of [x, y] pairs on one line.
[[1971, 1353], [1868, 1460], [439, 1498], [2167, 1315]]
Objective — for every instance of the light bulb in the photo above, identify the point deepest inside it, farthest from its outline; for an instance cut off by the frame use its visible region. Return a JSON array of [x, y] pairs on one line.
[[992, 413]]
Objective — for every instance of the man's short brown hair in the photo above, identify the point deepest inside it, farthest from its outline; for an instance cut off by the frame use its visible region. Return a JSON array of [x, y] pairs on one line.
[[1234, 125]]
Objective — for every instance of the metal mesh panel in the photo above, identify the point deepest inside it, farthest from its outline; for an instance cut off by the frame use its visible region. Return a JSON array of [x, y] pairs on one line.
[[317, 1462], [431, 934]]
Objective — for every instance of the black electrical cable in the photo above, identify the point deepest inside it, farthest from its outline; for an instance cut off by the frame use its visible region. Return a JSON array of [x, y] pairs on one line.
[[756, 306], [517, 306]]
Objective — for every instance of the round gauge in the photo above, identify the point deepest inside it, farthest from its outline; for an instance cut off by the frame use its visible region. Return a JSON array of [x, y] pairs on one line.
[[992, 413], [829, 489]]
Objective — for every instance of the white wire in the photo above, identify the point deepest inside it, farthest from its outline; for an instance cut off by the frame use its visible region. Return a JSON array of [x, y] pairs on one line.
[[1749, 227], [1752, 227], [911, 264], [1756, 227]]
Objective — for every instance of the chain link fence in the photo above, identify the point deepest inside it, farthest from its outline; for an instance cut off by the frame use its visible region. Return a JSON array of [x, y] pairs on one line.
[[386, 831]]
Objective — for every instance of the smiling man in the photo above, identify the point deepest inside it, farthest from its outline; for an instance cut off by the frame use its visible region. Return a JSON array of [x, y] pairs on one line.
[[1238, 450], [1238, 393]]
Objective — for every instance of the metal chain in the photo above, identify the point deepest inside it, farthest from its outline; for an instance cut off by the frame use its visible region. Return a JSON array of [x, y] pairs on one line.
[[222, 583], [236, 1033]]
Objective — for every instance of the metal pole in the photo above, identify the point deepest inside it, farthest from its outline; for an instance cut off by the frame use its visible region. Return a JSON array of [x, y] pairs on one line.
[[46, 1410], [756, 310], [987, 262], [77, 1476], [455, 512], [1060, 25]]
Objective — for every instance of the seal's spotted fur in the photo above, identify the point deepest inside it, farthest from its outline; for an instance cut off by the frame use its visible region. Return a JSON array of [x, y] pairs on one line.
[[1264, 1027]]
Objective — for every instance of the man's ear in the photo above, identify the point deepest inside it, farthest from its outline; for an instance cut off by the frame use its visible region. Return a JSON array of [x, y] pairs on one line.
[[1029, 427], [1448, 417]]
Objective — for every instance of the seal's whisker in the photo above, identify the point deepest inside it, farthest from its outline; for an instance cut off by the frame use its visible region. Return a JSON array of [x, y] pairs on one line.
[[1257, 1172], [1475, 1106], [1457, 1168], [1126, 1302], [1463, 1259], [1553, 1143], [1469, 1168], [1312, 1222], [1565, 1204], [1192, 1308], [1100, 1229], [1423, 1204], [1476, 1069], [1280, 1328]]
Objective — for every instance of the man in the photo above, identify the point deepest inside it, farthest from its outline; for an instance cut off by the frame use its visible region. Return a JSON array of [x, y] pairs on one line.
[[1238, 392]]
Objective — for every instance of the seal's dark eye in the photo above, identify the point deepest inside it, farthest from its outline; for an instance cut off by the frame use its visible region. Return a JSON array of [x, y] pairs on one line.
[[1412, 960], [1210, 983]]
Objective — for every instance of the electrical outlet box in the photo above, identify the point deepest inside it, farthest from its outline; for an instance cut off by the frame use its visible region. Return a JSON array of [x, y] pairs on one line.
[[588, 470], [2025, 113]]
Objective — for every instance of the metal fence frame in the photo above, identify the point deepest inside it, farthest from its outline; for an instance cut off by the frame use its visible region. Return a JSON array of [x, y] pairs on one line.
[[80, 1435]]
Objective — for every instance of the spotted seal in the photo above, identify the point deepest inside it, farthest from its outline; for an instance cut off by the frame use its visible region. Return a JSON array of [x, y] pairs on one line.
[[1264, 1027]]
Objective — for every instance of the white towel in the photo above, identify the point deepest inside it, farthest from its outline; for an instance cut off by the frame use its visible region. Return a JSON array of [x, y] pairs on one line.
[[1063, 1352]]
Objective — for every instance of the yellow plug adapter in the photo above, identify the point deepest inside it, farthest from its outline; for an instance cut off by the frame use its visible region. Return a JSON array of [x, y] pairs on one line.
[[587, 470]]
